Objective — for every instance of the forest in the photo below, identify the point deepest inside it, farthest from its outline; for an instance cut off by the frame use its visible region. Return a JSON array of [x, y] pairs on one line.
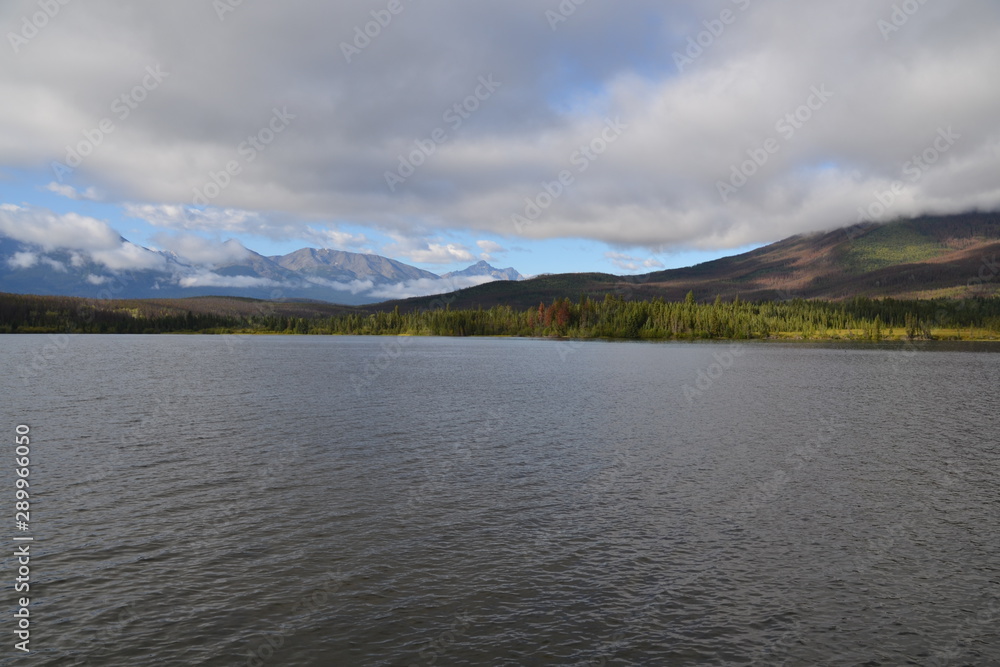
[[611, 317]]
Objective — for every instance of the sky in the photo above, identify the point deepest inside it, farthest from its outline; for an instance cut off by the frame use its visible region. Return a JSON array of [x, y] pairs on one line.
[[548, 135]]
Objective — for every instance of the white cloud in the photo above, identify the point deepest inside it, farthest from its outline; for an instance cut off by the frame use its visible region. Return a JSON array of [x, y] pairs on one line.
[[336, 239], [23, 260], [130, 257], [97, 280], [627, 262], [490, 246], [54, 264], [426, 252], [211, 219], [205, 278], [27, 260], [199, 250], [655, 185], [65, 190], [490, 249], [241, 221], [428, 286], [84, 237], [354, 286], [53, 231]]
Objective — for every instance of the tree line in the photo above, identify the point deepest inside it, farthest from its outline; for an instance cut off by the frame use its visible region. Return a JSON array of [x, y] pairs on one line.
[[610, 317]]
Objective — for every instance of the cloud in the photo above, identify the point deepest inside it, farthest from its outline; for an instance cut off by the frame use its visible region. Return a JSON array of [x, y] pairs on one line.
[[490, 249], [426, 252], [354, 286], [189, 218], [630, 263], [27, 260], [84, 237], [684, 125], [198, 250], [336, 239], [64, 190], [53, 231], [428, 286], [130, 257], [206, 278], [23, 260], [240, 221], [55, 265]]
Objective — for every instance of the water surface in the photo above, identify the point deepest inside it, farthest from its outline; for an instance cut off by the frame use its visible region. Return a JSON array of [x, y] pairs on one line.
[[371, 501]]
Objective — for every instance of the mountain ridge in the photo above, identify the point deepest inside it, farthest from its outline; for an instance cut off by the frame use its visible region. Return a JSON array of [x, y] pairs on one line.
[[925, 257], [483, 268], [133, 271], [871, 260]]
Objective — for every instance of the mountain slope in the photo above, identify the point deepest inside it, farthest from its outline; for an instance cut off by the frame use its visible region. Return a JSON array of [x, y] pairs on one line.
[[483, 268], [28, 269], [134, 272], [950, 256], [942, 256], [341, 266], [256, 265]]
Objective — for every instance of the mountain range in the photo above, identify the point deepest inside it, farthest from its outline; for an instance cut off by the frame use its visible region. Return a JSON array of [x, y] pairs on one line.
[[135, 272], [927, 257]]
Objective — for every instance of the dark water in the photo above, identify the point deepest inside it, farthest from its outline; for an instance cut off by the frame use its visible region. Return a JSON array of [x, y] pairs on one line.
[[352, 501]]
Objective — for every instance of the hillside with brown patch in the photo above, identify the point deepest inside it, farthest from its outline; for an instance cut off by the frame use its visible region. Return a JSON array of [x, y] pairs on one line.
[[954, 256]]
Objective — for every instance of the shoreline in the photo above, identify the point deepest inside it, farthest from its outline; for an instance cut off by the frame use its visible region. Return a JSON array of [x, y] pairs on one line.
[[783, 337]]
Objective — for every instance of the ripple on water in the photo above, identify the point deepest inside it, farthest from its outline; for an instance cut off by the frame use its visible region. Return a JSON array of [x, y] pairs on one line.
[[488, 502]]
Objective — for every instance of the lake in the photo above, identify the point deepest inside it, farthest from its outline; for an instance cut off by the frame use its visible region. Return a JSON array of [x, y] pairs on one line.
[[272, 500]]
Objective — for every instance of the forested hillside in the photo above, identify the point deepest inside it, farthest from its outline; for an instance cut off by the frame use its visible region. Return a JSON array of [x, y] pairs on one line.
[[611, 317]]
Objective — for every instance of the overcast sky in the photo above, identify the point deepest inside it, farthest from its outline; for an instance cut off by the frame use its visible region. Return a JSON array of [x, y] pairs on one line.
[[619, 137]]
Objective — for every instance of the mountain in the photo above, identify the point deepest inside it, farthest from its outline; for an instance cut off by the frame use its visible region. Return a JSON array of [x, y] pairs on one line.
[[484, 269], [339, 265], [134, 272], [255, 265], [932, 256], [28, 269]]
